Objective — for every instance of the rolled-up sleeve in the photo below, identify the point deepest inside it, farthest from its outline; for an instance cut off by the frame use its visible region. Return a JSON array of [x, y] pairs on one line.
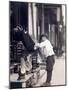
[[42, 44]]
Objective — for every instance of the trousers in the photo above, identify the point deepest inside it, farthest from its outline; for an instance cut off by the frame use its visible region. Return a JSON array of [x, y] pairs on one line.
[[49, 67]]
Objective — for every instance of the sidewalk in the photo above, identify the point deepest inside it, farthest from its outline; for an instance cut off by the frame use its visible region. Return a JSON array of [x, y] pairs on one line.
[[59, 71], [58, 77]]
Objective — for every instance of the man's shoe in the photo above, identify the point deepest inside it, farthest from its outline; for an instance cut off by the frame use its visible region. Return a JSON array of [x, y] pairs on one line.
[[22, 76]]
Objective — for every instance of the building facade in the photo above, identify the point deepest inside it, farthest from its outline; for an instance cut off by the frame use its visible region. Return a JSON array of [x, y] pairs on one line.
[[38, 19], [46, 19]]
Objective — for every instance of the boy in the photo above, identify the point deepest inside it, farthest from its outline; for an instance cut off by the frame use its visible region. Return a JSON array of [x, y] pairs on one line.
[[48, 53]]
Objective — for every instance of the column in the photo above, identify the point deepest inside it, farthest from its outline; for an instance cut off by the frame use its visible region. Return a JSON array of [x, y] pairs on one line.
[[58, 20], [42, 19], [29, 19], [35, 18], [49, 32]]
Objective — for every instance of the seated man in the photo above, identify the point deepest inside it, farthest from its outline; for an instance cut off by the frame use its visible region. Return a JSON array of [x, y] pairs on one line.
[[21, 34]]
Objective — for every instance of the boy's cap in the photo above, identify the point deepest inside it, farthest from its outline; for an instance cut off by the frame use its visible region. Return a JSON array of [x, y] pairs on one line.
[[44, 35]]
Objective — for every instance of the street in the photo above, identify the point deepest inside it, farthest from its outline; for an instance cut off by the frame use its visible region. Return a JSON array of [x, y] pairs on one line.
[[58, 76]]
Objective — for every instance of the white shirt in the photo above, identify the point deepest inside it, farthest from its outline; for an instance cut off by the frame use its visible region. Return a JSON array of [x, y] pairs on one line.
[[47, 48]]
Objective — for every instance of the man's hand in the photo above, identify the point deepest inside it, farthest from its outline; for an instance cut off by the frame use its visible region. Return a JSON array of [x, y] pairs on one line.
[[36, 46]]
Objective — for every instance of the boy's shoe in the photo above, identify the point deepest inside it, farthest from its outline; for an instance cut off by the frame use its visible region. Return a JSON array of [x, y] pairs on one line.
[[46, 84]]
